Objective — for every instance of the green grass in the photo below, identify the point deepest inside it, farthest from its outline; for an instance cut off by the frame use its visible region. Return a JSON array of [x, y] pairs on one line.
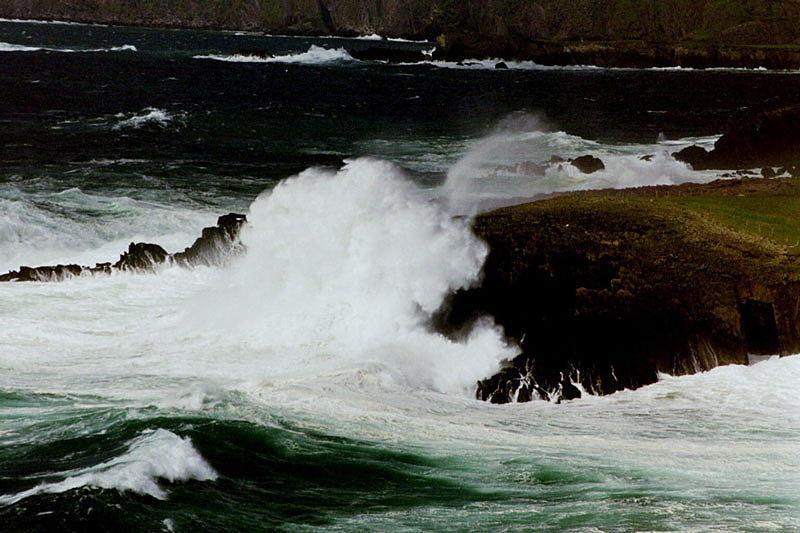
[[770, 215]]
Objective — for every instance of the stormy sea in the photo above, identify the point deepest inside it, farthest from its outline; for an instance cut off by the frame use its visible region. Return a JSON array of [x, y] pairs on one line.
[[300, 387]]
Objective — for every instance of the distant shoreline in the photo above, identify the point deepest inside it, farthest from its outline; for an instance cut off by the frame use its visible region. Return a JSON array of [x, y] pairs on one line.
[[458, 46]]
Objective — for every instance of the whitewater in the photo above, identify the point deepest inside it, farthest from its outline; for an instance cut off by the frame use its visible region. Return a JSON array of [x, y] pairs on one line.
[[301, 387], [323, 322]]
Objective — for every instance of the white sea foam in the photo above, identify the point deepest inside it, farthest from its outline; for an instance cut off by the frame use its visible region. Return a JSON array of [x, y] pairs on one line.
[[315, 55], [39, 229], [11, 47], [56, 22], [502, 165], [343, 269], [149, 115], [491, 64], [153, 456]]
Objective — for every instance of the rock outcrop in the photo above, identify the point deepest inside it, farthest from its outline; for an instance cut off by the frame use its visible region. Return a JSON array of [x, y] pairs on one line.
[[588, 164], [605, 291], [767, 139], [214, 247]]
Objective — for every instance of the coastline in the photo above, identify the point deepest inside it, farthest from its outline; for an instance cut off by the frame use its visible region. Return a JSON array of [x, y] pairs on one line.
[[604, 290], [456, 45]]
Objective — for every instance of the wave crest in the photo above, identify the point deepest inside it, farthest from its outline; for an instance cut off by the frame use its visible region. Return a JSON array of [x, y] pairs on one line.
[[152, 456]]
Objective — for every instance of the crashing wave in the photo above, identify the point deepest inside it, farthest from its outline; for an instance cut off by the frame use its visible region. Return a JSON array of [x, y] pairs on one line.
[[153, 456]]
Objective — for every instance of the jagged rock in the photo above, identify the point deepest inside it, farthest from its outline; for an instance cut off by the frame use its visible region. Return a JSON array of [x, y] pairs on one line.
[[768, 172], [501, 66], [588, 164], [695, 156], [141, 256], [216, 246]]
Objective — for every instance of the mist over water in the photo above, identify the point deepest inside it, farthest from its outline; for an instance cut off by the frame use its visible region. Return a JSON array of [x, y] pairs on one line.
[[299, 388]]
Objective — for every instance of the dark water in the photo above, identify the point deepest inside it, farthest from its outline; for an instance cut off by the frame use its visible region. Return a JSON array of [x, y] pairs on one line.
[[113, 418]]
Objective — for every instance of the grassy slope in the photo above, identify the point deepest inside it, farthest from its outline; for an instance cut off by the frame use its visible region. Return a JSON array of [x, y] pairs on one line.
[[772, 216], [763, 211]]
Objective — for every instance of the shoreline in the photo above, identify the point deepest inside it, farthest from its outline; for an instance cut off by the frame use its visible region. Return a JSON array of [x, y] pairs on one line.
[[458, 47]]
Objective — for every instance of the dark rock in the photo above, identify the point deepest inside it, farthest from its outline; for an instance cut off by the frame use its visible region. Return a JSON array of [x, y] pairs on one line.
[[695, 156], [768, 172], [648, 157], [215, 247], [501, 66], [141, 256], [588, 164], [608, 293], [254, 52], [391, 55], [766, 139]]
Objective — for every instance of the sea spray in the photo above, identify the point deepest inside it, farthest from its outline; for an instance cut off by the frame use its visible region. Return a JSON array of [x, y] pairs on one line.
[[515, 162], [342, 272]]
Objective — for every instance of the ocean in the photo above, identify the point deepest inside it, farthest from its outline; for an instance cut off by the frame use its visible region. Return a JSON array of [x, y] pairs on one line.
[[300, 388]]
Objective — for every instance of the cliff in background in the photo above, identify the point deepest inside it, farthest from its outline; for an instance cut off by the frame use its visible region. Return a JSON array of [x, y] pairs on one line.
[[734, 22]]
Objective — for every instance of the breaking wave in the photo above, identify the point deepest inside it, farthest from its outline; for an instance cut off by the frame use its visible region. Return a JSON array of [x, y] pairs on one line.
[[11, 47], [342, 273], [315, 55], [149, 115], [153, 456]]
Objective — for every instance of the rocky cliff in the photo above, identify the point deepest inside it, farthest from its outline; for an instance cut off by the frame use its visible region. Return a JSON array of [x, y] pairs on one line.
[[654, 21], [606, 290]]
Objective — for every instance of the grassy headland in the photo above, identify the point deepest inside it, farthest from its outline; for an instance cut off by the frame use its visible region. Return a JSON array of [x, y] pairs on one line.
[[609, 288]]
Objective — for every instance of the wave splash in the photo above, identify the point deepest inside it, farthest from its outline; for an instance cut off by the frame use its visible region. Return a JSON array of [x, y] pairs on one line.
[[342, 273], [11, 47], [152, 456], [514, 162], [149, 115], [315, 55]]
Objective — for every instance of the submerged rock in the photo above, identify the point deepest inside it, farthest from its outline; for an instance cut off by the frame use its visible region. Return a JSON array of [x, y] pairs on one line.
[[215, 246], [588, 164]]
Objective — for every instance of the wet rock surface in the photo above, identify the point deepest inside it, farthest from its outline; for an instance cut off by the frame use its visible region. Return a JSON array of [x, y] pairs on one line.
[[766, 139], [602, 292], [214, 247], [588, 164]]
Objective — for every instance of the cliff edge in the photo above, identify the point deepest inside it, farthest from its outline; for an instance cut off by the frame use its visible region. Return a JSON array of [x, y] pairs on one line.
[[602, 291]]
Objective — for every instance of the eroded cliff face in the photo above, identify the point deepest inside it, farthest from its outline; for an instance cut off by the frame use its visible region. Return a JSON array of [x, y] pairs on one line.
[[733, 22], [607, 291]]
